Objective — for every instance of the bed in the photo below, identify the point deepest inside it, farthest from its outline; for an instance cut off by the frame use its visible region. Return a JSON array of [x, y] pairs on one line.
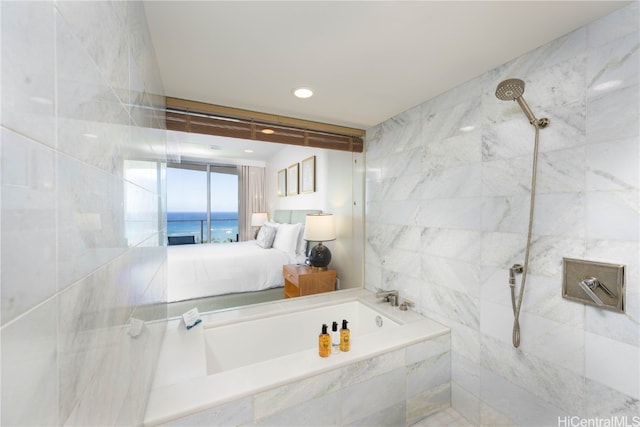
[[203, 270]]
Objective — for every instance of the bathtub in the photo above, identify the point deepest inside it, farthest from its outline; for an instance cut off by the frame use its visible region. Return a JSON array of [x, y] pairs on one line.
[[284, 334], [240, 363]]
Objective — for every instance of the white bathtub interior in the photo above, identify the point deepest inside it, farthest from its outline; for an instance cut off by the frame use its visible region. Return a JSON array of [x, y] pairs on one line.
[[254, 341]]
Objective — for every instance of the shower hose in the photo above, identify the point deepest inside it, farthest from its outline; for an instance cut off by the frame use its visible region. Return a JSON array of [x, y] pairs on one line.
[[517, 304]]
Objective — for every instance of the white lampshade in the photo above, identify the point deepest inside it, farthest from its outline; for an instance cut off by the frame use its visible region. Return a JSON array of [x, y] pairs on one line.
[[319, 228], [258, 219]]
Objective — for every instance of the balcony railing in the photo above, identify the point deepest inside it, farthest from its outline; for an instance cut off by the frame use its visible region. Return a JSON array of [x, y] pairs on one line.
[[198, 230]]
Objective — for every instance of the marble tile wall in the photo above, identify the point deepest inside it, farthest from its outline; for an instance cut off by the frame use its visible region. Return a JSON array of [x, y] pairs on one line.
[[447, 205], [396, 388], [83, 147]]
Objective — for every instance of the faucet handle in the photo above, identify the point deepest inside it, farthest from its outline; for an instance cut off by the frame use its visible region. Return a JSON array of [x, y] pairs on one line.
[[605, 289], [406, 304], [588, 285]]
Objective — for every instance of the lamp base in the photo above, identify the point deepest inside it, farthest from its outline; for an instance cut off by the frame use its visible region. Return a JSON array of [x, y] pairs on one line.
[[320, 256]]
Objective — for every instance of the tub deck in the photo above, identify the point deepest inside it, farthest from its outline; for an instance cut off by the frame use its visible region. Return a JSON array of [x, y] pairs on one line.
[[182, 387]]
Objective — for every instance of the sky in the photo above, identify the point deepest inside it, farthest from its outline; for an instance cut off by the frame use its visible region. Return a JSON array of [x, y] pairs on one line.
[[187, 191]]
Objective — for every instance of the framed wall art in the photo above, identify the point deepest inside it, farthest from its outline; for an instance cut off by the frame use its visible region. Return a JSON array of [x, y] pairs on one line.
[[308, 175], [282, 183], [292, 180]]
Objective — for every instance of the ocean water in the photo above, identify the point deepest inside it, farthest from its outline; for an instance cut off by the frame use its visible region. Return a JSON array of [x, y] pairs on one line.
[[224, 225]]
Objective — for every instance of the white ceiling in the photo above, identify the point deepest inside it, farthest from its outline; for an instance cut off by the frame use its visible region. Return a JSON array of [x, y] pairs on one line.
[[365, 60]]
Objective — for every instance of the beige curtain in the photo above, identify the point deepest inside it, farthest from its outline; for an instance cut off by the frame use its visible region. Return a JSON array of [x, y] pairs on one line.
[[252, 198]]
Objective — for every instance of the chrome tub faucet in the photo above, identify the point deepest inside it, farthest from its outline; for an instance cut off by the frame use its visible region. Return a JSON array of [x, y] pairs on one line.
[[388, 296]]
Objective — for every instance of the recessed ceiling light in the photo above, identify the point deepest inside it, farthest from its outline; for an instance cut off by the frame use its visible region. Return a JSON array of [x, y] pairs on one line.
[[248, 151], [303, 92], [267, 131], [90, 135], [467, 128]]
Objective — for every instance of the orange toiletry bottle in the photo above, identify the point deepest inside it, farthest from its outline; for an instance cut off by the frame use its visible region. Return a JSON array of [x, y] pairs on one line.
[[345, 339], [324, 343]]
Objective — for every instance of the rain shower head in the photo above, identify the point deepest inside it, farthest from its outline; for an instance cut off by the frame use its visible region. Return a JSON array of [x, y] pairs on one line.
[[512, 90]]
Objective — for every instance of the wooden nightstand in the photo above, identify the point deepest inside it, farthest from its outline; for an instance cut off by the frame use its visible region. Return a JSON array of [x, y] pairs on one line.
[[304, 280]]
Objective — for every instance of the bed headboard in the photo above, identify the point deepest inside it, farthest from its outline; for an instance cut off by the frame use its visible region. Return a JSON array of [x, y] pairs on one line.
[[288, 216]]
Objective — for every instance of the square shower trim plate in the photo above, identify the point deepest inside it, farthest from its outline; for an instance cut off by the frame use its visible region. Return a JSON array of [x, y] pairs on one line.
[[612, 276]]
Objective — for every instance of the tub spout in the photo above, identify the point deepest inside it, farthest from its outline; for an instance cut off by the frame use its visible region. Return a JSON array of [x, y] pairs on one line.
[[388, 296]]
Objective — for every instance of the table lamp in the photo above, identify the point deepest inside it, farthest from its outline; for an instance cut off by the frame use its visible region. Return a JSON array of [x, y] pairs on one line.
[[319, 228], [257, 220]]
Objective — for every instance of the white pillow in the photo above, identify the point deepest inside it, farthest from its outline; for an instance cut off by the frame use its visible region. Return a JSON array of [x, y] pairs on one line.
[[266, 236], [287, 238], [302, 244]]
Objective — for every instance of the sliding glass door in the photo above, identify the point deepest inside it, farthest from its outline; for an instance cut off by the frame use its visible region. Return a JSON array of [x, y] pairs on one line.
[[202, 201]]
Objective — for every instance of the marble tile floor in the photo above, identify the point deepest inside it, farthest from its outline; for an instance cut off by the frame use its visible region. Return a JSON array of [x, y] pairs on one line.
[[446, 418]]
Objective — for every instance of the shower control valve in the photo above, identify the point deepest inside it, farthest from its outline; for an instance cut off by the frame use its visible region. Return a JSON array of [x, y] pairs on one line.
[[595, 283]]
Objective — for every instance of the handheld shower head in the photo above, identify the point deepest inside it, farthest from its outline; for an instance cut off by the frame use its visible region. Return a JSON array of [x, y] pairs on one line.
[[512, 90]]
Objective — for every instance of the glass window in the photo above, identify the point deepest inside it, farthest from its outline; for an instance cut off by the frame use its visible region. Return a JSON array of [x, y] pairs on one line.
[[189, 210]]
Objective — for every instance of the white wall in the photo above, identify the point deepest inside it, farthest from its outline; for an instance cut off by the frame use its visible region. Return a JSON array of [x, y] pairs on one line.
[[447, 212], [338, 186], [82, 210]]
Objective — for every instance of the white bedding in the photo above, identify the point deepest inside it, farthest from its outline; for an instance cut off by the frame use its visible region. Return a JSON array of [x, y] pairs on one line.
[[196, 271]]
